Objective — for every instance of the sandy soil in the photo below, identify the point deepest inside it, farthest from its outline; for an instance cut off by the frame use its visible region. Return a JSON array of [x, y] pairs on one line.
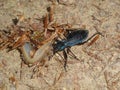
[[99, 65]]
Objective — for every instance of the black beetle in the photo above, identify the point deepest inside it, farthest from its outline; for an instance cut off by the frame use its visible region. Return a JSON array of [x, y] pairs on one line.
[[74, 37]]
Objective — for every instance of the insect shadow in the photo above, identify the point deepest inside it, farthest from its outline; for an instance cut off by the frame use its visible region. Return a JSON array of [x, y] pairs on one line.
[[74, 37]]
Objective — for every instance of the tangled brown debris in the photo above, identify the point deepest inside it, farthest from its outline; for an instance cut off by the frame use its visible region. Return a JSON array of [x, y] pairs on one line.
[[32, 38]]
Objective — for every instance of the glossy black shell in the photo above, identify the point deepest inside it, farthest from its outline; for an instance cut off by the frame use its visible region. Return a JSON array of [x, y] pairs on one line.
[[73, 38]]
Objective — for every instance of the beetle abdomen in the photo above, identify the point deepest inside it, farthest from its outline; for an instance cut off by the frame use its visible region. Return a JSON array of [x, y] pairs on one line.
[[76, 37]]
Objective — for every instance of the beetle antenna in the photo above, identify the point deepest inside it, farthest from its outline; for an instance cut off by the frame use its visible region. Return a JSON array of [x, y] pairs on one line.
[[93, 36]]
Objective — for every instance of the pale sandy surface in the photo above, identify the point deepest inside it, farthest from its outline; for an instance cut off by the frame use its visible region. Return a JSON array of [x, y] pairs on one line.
[[99, 65]]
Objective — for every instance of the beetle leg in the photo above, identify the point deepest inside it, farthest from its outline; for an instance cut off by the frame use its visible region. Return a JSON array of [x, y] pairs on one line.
[[65, 58], [72, 54]]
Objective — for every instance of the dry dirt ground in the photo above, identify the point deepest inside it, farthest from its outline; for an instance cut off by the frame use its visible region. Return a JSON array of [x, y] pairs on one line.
[[99, 64]]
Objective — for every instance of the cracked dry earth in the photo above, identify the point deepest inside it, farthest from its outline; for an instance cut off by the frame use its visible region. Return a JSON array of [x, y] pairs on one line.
[[99, 64]]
